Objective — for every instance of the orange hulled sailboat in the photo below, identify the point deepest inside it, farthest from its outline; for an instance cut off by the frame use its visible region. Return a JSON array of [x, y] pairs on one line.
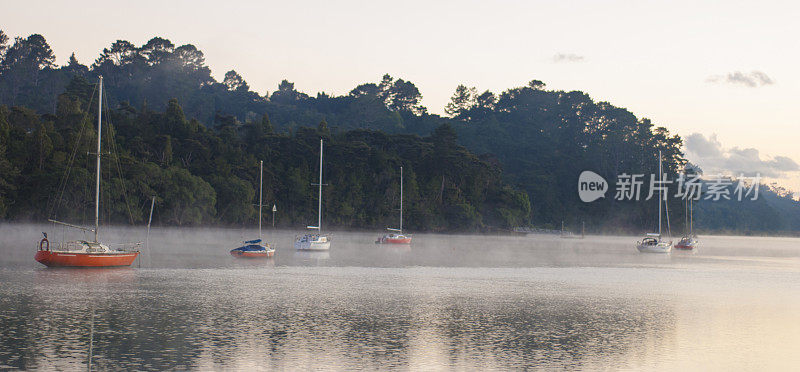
[[84, 253]]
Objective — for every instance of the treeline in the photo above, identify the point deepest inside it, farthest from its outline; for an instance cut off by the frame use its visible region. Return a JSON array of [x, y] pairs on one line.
[[535, 142], [205, 176]]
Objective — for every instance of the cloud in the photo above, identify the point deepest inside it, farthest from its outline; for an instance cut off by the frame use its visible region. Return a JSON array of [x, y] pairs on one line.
[[749, 79], [567, 57], [713, 158]]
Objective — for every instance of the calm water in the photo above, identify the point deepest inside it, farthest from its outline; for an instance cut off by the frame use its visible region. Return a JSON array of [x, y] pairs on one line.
[[447, 302]]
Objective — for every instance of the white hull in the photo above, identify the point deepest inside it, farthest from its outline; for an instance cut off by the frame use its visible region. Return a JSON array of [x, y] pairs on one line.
[[312, 246], [662, 247]]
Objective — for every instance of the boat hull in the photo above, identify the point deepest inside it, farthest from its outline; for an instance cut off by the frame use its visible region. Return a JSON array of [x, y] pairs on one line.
[[312, 246], [686, 244], [394, 241], [660, 248], [70, 259], [252, 254]]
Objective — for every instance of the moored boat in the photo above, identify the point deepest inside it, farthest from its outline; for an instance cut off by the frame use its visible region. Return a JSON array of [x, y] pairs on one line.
[[315, 241], [256, 248], [398, 237], [253, 249], [394, 239], [312, 242], [84, 253], [689, 241], [654, 242]]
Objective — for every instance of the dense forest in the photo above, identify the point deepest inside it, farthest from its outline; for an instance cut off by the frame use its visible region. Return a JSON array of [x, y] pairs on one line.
[[495, 161]]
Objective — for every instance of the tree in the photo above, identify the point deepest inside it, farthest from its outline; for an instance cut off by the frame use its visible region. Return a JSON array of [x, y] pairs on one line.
[[5, 127], [384, 87], [365, 90], [166, 152], [235, 82], [35, 52], [486, 101], [121, 52], [322, 128], [74, 67], [29, 55], [43, 145], [189, 199], [445, 137], [234, 199], [404, 96], [156, 50], [266, 125], [3, 44], [8, 175], [22, 67], [190, 57], [287, 94], [462, 101], [536, 84], [176, 122]]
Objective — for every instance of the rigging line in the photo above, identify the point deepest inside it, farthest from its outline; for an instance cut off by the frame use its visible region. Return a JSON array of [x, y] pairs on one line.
[[115, 151], [63, 184]]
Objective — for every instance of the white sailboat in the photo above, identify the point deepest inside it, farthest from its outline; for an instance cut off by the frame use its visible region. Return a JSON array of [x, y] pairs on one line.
[[315, 241], [257, 247], [396, 236], [654, 242]]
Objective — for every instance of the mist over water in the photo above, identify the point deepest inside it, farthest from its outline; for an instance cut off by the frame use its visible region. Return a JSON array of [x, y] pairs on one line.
[[446, 301]]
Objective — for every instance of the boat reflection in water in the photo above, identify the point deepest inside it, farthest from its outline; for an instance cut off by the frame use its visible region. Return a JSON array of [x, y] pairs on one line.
[[312, 256]]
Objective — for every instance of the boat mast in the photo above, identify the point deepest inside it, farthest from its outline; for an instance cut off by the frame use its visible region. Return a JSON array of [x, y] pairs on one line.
[[659, 193], [97, 189], [319, 208], [686, 212], [401, 200], [260, 191]]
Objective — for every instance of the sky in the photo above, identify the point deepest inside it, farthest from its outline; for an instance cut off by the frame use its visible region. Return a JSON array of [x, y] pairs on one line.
[[723, 73]]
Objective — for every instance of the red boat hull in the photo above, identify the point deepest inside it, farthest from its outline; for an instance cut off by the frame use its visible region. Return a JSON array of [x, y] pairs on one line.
[[262, 254], [396, 241], [65, 259], [684, 247]]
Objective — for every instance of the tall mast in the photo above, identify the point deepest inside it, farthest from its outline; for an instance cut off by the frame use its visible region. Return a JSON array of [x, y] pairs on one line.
[[319, 209], [401, 200], [686, 215], [97, 189], [260, 191], [691, 218], [659, 192]]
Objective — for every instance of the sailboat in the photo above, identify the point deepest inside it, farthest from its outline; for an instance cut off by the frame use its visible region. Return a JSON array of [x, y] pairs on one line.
[[689, 241], [315, 241], [84, 253], [256, 248], [653, 242], [396, 237]]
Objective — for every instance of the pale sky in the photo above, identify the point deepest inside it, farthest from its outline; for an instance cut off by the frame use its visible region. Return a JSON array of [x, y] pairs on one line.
[[726, 70]]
